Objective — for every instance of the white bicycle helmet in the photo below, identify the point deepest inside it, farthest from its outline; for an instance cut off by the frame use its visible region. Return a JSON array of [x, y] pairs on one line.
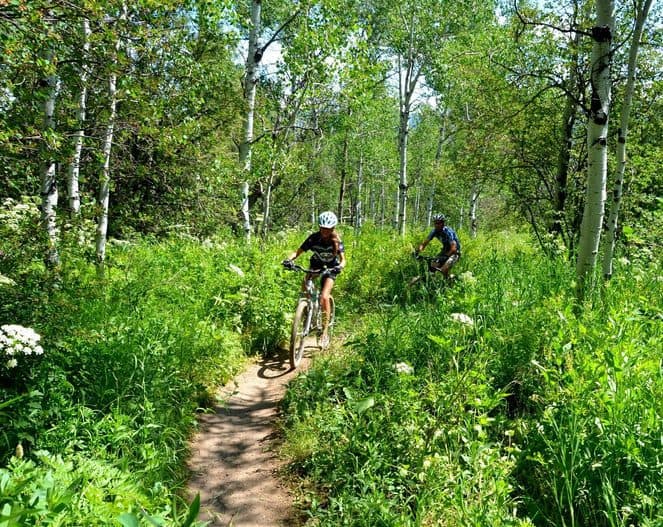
[[327, 220], [439, 217]]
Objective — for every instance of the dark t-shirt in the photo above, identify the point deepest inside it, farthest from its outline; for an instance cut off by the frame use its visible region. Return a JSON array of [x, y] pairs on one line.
[[323, 251]]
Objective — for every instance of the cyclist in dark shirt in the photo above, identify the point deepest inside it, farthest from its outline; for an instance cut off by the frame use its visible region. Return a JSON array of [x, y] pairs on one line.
[[328, 253], [450, 252]]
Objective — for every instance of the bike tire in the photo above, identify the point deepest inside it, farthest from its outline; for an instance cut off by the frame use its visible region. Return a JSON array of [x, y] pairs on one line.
[[298, 335]]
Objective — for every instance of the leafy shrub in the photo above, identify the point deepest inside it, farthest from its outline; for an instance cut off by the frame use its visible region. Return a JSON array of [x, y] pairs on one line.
[[78, 491]]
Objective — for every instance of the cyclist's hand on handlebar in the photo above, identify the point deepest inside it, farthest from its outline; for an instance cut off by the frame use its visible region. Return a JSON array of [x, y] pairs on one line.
[[288, 263]]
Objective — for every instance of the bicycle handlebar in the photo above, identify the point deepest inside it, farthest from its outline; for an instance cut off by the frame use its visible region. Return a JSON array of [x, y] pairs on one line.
[[295, 267], [418, 256]]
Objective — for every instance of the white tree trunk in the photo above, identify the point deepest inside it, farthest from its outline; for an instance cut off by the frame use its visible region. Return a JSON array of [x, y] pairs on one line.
[[245, 210], [401, 195], [79, 134], [104, 180], [360, 186], [597, 139], [49, 187], [268, 202], [408, 78], [397, 213], [371, 203], [253, 57], [642, 8], [408, 86], [344, 176], [474, 200]]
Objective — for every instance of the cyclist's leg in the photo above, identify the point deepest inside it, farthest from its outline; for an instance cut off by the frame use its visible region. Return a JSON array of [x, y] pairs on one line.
[[438, 263], [325, 305], [448, 264]]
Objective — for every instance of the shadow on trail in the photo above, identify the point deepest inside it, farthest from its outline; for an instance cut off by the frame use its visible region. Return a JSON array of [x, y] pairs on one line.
[[275, 363], [233, 464]]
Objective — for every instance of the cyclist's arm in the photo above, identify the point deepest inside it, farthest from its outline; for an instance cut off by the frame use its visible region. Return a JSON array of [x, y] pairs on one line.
[[294, 255], [453, 248], [423, 245], [341, 260]]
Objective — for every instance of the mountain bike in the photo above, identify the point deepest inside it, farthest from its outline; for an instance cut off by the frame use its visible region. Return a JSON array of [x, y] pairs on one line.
[[308, 315], [433, 270]]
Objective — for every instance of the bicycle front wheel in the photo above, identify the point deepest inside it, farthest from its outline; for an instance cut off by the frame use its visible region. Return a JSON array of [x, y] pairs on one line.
[[300, 329]]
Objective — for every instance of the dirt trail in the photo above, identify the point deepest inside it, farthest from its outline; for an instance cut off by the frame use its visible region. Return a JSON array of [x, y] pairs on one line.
[[233, 463]]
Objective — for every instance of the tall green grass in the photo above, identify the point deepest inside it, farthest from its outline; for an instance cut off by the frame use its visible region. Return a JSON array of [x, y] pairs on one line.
[[127, 364], [536, 413], [532, 415]]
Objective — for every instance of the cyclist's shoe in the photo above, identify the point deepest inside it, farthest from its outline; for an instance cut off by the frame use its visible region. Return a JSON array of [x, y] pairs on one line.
[[324, 341], [416, 255], [287, 263]]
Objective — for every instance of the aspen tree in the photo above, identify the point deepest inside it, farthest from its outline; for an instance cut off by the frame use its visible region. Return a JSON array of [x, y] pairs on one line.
[[642, 10], [105, 179], [597, 146], [79, 134]]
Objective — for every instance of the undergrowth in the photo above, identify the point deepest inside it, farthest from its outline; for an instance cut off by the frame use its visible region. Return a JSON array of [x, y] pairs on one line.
[[491, 399], [485, 401]]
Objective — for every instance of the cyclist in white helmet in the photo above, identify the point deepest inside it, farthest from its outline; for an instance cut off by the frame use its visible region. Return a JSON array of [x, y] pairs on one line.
[[450, 252], [328, 253]]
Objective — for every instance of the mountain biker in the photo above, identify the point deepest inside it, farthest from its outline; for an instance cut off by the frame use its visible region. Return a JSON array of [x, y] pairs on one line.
[[450, 252], [328, 253]]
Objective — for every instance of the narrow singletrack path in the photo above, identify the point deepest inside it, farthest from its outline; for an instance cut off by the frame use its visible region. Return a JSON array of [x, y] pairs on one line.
[[233, 464]]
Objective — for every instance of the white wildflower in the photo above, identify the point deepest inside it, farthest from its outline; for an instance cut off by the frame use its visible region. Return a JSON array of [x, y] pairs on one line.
[[17, 341], [403, 367], [236, 270], [5, 280], [468, 277], [624, 261], [462, 318]]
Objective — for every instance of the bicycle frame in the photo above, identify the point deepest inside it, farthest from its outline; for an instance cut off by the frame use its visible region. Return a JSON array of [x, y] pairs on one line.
[[312, 297], [430, 259], [309, 309]]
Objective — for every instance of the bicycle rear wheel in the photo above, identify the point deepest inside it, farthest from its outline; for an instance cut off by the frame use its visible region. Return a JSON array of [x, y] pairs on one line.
[[299, 333]]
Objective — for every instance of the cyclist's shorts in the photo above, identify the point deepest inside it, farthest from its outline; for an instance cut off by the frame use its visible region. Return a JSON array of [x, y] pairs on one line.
[[443, 260], [331, 274]]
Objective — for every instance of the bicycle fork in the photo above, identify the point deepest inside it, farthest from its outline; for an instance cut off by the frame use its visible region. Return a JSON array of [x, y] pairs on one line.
[[309, 317]]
